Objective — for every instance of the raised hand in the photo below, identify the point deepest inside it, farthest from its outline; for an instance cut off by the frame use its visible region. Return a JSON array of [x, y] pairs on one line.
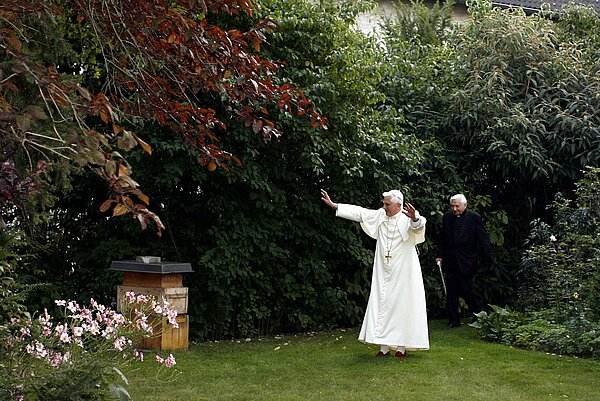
[[327, 200], [410, 211]]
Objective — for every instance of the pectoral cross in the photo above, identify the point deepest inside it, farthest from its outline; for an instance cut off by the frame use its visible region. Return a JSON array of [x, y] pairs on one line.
[[388, 257]]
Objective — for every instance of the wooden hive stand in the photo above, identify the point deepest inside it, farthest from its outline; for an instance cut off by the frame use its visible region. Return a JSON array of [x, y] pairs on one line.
[[150, 276]]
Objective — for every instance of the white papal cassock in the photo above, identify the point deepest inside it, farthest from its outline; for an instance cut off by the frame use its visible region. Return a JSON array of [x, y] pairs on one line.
[[396, 313]]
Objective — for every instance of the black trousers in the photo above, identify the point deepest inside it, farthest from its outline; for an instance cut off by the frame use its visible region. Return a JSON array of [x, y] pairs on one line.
[[460, 286]]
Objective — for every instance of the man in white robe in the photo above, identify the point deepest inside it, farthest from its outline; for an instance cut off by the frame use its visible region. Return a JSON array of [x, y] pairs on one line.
[[396, 315]]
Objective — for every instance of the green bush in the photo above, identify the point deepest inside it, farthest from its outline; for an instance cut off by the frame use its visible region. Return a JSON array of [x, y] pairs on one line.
[[558, 281], [481, 108]]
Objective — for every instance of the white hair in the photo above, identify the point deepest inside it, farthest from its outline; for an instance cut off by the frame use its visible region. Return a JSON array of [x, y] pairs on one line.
[[459, 197], [395, 195]]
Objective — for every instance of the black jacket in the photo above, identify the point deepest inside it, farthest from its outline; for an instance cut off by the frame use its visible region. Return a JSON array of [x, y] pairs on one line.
[[464, 243]]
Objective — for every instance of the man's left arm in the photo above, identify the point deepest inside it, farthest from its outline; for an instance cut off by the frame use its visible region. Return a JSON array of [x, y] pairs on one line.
[[417, 223]]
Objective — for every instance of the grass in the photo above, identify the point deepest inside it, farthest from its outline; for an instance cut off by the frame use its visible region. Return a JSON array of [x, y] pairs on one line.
[[335, 366]]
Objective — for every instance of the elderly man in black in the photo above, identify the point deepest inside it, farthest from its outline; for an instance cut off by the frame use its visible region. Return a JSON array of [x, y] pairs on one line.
[[462, 244]]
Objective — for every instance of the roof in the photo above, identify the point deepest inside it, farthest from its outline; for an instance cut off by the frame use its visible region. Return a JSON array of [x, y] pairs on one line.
[[535, 5]]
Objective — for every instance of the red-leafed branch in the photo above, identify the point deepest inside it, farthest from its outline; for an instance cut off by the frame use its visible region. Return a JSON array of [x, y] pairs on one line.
[[157, 61]]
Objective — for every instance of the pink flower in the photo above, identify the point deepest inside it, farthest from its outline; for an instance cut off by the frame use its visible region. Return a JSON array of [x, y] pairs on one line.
[[56, 360], [47, 330], [96, 320], [108, 331], [100, 317], [94, 328], [172, 317], [118, 318], [170, 361], [45, 318], [59, 329], [37, 350], [64, 337], [120, 343], [72, 306], [139, 355], [29, 348]]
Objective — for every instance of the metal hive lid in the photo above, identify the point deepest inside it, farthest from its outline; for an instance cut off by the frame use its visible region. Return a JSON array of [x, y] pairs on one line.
[[150, 264]]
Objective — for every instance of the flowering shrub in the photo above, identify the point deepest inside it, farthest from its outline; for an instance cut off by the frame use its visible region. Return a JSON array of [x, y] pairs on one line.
[[80, 354]]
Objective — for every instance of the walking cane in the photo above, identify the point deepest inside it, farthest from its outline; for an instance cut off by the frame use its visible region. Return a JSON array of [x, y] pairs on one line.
[[439, 263]]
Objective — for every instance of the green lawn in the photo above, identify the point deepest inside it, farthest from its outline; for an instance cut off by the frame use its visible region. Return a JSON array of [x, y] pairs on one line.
[[335, 366]]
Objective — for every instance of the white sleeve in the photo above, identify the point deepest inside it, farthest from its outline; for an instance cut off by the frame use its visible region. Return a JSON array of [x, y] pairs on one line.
[[417, 229], [349, 212], [415, 225], [369, 219]]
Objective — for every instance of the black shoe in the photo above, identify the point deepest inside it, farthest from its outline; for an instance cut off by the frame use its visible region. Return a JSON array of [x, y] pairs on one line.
[[453, 325]]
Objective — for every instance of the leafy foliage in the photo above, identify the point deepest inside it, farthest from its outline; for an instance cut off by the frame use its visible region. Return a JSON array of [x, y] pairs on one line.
[[558, 281], [417, 21], [158, 65], [497, 102], [527, 113], [468, 109], [562, 259], [268, 256], [284, 263], [12, 293], [425, 71]]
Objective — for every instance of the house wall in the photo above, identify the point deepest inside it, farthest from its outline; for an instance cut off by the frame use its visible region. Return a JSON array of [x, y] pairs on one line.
[[368, 22]]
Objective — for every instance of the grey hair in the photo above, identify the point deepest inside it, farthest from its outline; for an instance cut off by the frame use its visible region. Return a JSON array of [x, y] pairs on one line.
[[395, 195], [459, 197]]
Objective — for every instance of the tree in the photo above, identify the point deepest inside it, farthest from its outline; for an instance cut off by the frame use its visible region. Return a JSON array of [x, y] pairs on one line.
[[506, 107], [157, 65], [268, 257], [528, 114]]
